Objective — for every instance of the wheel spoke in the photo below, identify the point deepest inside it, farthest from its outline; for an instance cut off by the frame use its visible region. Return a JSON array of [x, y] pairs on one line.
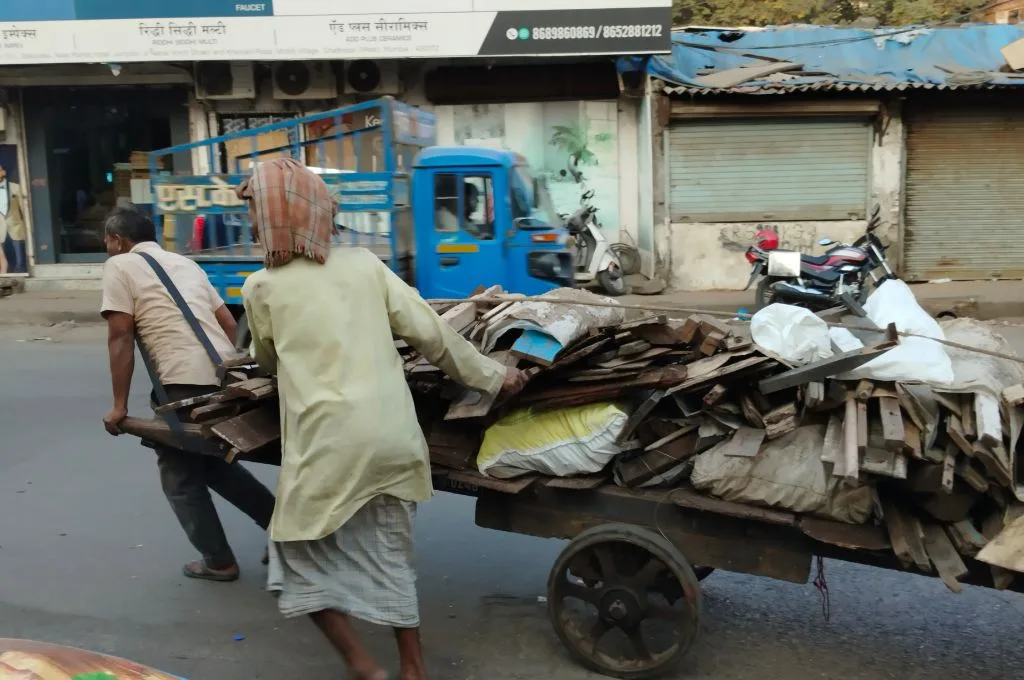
[[663, 613], [636, 636], [606, 563], [647, 574], [599, 630], [580, 592]]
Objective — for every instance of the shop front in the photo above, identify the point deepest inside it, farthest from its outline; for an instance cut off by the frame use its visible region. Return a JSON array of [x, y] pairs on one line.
[[87, 153]]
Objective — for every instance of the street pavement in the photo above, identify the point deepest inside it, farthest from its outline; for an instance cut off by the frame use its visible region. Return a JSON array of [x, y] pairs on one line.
[[90, 556]]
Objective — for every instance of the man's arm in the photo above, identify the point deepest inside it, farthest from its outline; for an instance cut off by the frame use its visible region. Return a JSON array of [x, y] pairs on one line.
[[262, 348], [118, 308], [227, 322], [121, 348], [413, 320]]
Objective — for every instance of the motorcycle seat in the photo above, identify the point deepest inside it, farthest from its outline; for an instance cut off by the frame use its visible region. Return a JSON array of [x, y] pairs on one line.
[[814, 259]]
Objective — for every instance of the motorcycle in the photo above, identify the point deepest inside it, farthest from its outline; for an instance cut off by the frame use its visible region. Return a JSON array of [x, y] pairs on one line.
[[844, 275], [594, 256]]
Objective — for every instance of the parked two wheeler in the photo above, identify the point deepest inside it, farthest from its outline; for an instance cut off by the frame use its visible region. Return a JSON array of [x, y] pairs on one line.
[[595, 258], [843, 276]]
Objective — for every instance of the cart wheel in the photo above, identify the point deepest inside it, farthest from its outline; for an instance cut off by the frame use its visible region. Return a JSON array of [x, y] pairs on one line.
[[624, 602]]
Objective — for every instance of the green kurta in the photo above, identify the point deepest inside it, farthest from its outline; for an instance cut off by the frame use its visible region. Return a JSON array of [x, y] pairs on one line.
[[348, 425]]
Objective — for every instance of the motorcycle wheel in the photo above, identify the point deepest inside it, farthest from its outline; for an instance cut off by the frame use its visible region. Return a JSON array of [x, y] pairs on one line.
[[763, 296], [613, 283]]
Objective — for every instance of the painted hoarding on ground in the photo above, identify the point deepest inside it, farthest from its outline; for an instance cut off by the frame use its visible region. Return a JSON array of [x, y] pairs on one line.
[[75, 31]]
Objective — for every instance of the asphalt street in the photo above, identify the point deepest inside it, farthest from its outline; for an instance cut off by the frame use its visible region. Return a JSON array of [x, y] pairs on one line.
[[90, 556]]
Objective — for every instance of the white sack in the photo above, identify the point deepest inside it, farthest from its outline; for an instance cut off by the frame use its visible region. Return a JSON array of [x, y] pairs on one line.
[[793, 333], [787, 474], [916, 359]]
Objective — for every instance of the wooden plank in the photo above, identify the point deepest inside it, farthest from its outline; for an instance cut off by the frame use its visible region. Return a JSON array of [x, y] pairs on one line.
[[585, 351], [832, 447], [252, 429], [537, 346], [862, 427], [690, 333], [949, 468], [631, 349], [1006, 550], [254, 388], [966, 470], [1013, 396], [944, 556], [925, 478], [745, 442], [476, 480], [726, 78], [955, 431], [781, 421], [851, 439], [582, 482], [651, 353], [730, 370], [864, 389], [187, 403], [650, 464], [893, 433], [219, 409], [851, 536], [988, 420], [826, 368], [750, 411], [474, 404], [578, 395], [711, 343], [692, 500], [912, 445], [906, 537], [715, 395], [967, 540], [157, 431], [461, 316], [687, 428], [814, 395], [638, 416]]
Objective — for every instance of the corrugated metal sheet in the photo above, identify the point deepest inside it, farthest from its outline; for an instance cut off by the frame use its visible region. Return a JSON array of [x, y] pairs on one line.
[[780, 169], [849, 59], [965, 195]]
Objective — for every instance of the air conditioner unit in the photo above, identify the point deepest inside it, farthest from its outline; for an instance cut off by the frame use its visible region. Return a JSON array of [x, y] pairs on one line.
[[225, 80], [305, 80], [365, 76]]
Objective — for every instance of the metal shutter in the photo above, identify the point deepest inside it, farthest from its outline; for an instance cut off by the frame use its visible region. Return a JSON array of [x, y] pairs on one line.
[[740, 170], [965, 195]]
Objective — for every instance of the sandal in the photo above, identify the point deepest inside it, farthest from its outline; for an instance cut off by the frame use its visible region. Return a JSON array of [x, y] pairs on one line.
[[199, 570]]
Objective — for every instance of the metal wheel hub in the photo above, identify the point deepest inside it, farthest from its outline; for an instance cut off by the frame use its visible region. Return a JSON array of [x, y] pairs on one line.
[[621, 608]]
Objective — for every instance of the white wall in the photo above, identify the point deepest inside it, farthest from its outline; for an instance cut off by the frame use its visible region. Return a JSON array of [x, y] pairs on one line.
[[709, 256]]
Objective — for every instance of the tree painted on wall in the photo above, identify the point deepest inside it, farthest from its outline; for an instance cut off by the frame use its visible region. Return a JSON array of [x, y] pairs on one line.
[[576, 141]]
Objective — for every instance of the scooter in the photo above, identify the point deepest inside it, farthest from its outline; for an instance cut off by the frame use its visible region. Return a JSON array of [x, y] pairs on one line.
[[841, 277], [595, 259]]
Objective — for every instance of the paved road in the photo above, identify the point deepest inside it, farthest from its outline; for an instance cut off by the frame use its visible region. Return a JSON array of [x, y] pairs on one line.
[[89, 556]]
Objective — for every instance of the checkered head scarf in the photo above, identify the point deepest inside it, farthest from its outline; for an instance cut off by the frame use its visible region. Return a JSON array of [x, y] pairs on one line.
[[291, 210]]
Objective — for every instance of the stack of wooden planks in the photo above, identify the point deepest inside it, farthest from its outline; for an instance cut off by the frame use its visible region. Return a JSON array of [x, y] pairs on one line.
[[942, 465]]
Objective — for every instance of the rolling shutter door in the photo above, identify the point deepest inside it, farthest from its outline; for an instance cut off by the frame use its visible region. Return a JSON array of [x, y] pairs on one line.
[[742, 170], [965, 195]]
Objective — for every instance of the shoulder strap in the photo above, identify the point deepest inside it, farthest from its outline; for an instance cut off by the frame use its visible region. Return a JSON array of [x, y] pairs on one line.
[[186, 311]]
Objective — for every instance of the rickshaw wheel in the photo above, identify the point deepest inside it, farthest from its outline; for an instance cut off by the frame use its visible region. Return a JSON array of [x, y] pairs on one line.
[[628, 580]]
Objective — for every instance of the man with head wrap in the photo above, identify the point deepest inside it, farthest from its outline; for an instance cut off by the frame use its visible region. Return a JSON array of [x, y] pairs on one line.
[[355, 461]]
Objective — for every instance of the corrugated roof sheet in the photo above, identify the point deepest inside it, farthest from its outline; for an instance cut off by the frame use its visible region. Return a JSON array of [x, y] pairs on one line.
[[843, 59]]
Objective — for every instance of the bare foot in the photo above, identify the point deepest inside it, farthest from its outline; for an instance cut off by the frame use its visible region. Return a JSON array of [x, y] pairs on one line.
[[376, 674]]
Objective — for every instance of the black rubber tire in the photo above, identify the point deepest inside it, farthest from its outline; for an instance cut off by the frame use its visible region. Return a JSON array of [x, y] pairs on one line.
[[660, 548], [243, 336], [629, 258], [762, 295], [613, 283]]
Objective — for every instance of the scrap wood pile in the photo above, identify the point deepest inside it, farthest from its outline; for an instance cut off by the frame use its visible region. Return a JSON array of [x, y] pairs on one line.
[[695, 404]]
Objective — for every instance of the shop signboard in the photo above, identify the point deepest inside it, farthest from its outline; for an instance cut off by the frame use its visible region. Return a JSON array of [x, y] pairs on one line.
[[124, 31]]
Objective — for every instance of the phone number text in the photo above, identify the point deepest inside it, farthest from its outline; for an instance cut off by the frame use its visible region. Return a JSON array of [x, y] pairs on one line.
[[593, 32]]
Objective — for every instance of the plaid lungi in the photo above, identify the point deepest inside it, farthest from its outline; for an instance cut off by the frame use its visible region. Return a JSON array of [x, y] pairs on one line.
[[364, 569]]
